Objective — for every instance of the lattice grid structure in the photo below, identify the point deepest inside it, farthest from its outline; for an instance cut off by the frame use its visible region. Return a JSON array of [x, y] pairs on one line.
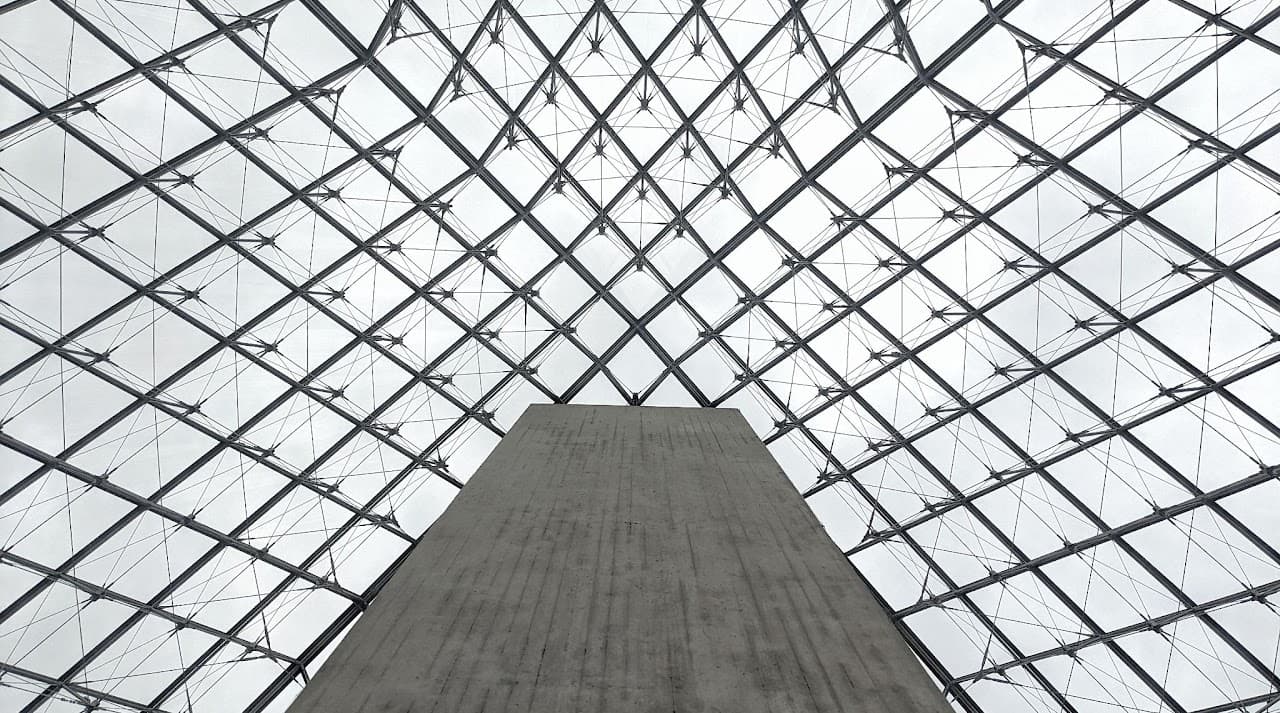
[[995, 280]]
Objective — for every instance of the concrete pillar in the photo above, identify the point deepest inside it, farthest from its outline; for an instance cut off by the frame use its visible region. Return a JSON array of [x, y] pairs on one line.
[[624, 559]]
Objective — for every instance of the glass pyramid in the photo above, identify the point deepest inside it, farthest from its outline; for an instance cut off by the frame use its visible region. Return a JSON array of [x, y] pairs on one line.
[[996, 281]]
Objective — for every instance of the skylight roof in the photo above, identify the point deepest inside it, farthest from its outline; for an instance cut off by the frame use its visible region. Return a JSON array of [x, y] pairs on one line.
[[995, 281]]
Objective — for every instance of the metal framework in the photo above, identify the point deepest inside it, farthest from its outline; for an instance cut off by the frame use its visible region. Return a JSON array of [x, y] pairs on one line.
[[995, 280]]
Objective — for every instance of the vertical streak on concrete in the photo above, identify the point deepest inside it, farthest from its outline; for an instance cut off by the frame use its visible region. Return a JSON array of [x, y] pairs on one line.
[[622, 559]]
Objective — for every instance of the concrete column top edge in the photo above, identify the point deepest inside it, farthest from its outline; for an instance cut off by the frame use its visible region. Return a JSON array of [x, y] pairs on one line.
[[626, 407]]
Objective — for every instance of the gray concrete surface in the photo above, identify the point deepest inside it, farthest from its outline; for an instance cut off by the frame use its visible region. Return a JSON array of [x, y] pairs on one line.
[[619, 559]]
